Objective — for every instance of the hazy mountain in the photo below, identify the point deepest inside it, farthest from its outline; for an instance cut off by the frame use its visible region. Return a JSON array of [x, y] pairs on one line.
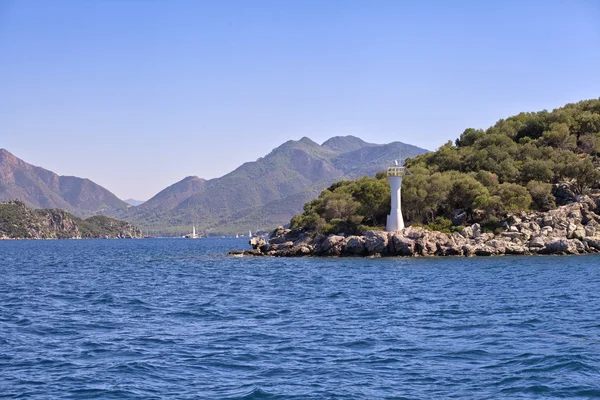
[[266, 192], [134, 202], [39, 188], [345, 144]]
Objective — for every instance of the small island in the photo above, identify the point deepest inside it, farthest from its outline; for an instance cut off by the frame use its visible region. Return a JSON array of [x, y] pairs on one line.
[[17, 221], [530, 184]]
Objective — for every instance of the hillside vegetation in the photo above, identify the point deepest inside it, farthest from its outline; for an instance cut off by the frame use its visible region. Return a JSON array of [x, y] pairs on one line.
[[17, 221], [527, 161]]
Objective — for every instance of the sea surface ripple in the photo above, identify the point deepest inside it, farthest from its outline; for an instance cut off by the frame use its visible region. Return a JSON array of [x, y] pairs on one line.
[[175, 318]]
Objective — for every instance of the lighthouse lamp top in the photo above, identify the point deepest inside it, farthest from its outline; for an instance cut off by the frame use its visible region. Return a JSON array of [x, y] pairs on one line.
[[396, 171]]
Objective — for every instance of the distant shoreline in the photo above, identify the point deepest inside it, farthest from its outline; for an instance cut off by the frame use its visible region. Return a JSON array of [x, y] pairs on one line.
[[19, 222]]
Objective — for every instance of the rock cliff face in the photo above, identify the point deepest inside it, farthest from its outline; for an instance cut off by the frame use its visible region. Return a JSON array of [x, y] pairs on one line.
[[17, 221], [570, 229]]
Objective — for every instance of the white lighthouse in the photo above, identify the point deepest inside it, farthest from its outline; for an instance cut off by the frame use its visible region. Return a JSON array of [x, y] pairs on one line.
[[394, 220]]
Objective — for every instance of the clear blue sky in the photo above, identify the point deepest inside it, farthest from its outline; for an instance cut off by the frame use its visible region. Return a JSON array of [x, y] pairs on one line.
[[136, 95]]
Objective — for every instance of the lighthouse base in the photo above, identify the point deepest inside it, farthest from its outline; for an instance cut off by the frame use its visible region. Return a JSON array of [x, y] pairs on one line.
[[394, 222]]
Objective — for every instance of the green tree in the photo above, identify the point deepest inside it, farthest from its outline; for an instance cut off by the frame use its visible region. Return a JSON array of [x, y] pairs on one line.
[[541, 194], [373, 196], [469, 137], [486, 178], [508, 171], [537, 170], [465, 190], [590, 143], [514, 197], [491, 205], [414, 194], [446, 158], [339, 204], [311, 221], [559, 137]]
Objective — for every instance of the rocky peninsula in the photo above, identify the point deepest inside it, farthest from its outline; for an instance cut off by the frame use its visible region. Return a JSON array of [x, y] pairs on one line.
[[570, 229], [17, 221]]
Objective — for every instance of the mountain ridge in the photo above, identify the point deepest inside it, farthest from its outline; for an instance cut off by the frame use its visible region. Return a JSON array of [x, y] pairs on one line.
[[256, 195], [38, 187], [134, 202], [266, 192]]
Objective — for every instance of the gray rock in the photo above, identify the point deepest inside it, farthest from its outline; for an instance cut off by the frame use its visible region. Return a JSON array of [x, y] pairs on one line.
[[424, 246], [537, 243], [467, 232], [402, 246], [468, 250], [485, 237], [515, 249], [458, 217], [257, 242], [563, 193], [579, 233], [451, 250], [514, 220], [355, 246], [560, 246], [331, 246], [299, 251], [414, 232], [548, 220], [593, 242], [458, 238], [279, 235], [476, 230], [516, 237], [484, 250], [376, 241], [591, 228], [498, 246], [533, 227]]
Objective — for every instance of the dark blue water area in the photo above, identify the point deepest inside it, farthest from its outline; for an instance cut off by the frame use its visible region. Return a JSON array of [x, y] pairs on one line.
[[176, 318]]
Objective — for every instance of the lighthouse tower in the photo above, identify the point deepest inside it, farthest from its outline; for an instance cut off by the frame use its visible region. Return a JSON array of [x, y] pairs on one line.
[[394, 220]]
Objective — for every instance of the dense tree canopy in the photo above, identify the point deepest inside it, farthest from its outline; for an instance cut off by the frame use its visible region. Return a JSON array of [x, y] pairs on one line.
[[347, 206], [484, 174]]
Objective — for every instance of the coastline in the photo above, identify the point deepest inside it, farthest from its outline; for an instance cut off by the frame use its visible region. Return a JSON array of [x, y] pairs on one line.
[[570, 229]]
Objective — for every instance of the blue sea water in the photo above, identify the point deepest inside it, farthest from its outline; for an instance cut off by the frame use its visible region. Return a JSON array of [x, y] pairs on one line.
[[168, 318]]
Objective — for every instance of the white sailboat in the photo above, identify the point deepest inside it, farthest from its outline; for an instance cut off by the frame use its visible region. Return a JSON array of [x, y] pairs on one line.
[[193, 235], [249, 234]]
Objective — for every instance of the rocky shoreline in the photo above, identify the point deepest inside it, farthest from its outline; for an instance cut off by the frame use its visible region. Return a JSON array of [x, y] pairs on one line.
[[570, 229]]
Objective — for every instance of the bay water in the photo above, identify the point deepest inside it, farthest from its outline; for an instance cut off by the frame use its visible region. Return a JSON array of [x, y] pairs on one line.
[[176, 318]]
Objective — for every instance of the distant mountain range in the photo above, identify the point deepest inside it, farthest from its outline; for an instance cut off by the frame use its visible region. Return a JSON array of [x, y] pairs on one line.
[[133, 202], [258, 195], [39, 188], [262, 194]]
